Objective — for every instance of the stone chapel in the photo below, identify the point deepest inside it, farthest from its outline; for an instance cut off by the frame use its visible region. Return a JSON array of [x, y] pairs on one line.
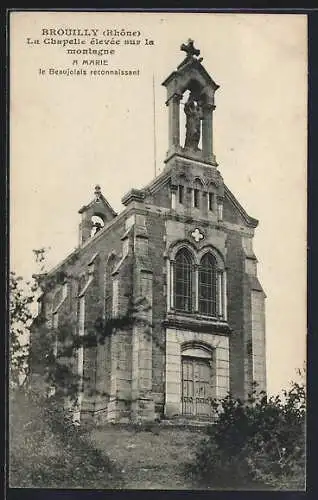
[[181, 251]]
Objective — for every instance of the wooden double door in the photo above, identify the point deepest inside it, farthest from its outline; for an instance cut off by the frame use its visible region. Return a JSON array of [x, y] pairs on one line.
[[196, 386]]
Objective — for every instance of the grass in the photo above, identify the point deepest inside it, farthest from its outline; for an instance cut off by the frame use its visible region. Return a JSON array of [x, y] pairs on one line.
[[47, 452], [149, 457]]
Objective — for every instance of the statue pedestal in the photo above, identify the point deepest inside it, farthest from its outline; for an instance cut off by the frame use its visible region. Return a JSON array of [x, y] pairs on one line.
[[190, 154]]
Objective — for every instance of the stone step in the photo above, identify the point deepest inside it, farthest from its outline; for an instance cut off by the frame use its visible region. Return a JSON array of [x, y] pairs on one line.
[[191, 422]]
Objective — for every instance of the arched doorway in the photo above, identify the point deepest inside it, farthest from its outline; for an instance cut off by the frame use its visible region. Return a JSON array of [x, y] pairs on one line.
[[197, 382]]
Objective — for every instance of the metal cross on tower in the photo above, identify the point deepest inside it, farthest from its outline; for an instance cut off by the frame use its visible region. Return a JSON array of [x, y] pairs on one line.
[[190, 49]]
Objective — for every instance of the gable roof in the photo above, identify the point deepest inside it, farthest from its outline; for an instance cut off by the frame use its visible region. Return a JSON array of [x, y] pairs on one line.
[[93, 202], [164, 178], [186, 66], [250, 221]]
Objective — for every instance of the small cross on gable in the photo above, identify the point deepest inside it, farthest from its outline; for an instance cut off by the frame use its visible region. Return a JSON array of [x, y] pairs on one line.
[[197, 235], [192, 53]]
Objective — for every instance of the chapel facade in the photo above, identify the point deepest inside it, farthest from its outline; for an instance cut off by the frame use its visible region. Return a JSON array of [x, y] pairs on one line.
[[180, 254]]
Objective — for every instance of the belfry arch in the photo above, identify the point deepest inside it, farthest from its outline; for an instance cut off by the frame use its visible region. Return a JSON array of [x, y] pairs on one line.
[[191, 77]]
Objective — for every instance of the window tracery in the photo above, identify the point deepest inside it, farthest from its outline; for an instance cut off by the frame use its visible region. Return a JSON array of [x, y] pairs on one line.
[[197, 282]]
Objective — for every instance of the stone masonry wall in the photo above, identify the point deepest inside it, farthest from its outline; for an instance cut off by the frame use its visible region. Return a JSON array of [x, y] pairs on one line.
[[235, 291], [156, 232], [96, 360], [258, 339]]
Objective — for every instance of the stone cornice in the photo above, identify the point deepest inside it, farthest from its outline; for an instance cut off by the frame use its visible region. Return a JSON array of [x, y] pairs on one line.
[[190, 156], [169, 214], [133, 195], [218, 225], [197, 323]]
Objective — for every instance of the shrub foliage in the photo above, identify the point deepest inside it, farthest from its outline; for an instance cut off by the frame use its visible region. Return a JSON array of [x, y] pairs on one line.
[[48, 451], [259, 444]]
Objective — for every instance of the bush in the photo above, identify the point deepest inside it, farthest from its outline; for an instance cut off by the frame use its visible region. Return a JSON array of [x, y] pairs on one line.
[[47, 450], [259, 444]]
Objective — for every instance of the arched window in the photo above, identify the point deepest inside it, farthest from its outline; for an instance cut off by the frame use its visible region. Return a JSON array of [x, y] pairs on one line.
[[97, 224], [109, 286], [183, 281], [197, 192], [182, 189], [208, 285]]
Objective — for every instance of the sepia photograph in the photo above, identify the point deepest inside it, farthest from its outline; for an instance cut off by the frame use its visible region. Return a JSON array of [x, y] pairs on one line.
[[158, 250]]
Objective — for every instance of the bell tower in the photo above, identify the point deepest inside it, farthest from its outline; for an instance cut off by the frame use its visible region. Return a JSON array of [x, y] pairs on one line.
[[94, 216], [191, 76]]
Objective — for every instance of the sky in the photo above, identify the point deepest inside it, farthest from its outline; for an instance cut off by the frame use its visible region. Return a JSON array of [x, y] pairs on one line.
[[69, 133]]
